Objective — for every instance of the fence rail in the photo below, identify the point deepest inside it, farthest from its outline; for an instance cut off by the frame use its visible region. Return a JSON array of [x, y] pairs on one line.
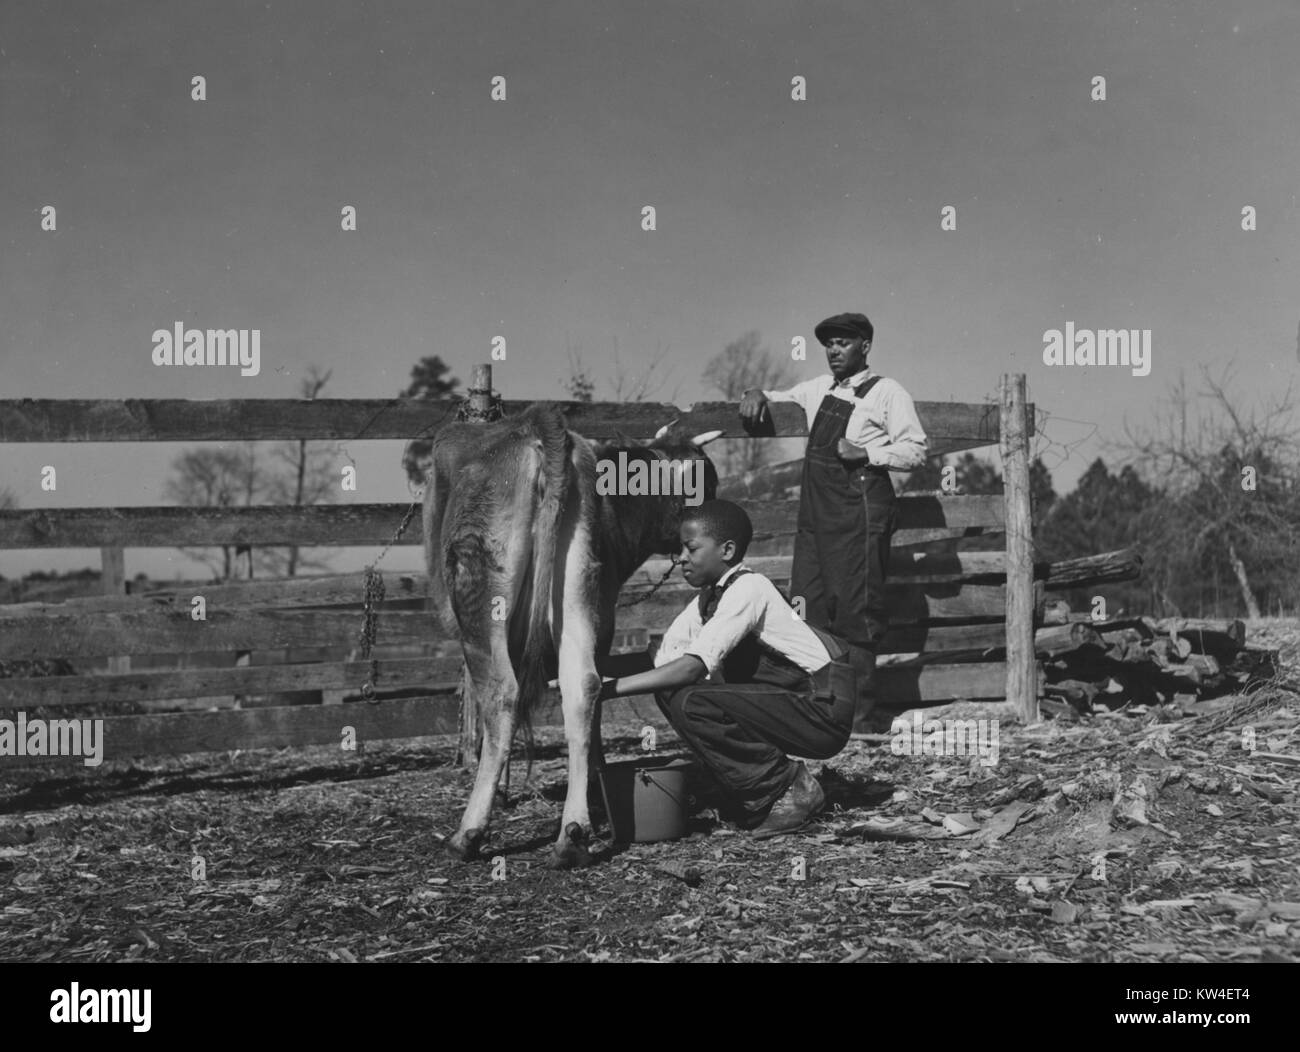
[[951, 426], [921, 519]]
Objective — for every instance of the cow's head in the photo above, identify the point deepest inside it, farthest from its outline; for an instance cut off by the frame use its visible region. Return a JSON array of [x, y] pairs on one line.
[[675, 444], [685, 448], [684, 476]]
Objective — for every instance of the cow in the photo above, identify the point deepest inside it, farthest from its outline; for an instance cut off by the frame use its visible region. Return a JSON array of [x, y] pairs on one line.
[[526, 555]]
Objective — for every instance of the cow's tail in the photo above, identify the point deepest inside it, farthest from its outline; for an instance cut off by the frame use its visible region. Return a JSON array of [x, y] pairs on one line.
[[551, 485]]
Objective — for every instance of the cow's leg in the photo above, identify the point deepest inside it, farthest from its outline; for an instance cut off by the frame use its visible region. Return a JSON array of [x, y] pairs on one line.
[[494, 692], [579, 688]]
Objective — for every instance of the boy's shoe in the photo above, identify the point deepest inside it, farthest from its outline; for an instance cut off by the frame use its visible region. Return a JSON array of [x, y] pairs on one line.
[[801, 801]]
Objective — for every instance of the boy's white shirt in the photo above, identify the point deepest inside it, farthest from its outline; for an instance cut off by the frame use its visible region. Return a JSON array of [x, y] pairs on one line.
[[752, 604]]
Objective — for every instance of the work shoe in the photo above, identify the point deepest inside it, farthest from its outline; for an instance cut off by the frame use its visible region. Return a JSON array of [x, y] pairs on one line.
[[801, 801]]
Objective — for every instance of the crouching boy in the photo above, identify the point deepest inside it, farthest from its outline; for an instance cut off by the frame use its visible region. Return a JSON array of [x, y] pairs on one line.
[[743, 680]]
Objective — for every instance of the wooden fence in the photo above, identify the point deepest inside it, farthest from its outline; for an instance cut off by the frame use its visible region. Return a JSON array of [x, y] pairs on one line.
[[969, 615]]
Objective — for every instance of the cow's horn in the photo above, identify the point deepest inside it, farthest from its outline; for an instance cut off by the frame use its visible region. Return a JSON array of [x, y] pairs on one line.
[[705, 437], [664, 430]]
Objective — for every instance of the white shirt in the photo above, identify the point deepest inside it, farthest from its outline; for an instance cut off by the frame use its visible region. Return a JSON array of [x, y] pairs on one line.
[[751, 604], [884, 422]]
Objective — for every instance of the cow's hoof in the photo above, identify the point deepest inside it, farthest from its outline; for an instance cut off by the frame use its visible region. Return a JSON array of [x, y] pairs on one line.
[[465, 845], [570, 851]]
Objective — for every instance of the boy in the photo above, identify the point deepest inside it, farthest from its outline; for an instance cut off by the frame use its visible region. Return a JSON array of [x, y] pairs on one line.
[[743, 680]]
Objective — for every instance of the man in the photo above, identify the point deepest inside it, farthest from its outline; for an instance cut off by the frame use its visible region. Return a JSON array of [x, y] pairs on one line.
[[743, 680], [860, 427]]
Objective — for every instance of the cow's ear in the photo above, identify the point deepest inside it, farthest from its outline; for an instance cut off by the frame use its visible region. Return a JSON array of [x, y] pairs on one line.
[[705, 437]]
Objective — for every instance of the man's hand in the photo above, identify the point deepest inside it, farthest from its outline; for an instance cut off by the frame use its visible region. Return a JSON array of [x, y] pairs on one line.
[[753, 408], [846, 450]]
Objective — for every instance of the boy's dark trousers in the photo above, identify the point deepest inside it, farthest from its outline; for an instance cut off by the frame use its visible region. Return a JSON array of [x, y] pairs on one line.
[[741, 732]]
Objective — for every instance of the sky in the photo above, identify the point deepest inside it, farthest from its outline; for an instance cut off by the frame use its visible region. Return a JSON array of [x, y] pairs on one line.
[[522, 218]]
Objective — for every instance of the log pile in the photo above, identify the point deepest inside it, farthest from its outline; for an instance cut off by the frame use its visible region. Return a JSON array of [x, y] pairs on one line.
[[1146, 661]]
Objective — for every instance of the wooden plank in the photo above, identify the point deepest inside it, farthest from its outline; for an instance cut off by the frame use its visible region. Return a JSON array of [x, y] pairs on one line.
[[920, 518], [902, 685], [950, 516], [401, 591], [125, 737], [113, 579], [907, 604], [31, 630], [282, 726], [408, 590], [914, 639], [170, 527], [915, 567], [394, 673], [949, 425], [1021, 686]]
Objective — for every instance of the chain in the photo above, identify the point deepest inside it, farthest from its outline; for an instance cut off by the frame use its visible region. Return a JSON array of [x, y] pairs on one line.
[[653, 588], [465, 411], [373, 581], [373, 594]]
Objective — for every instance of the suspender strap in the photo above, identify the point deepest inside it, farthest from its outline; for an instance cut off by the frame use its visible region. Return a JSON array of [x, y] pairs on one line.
[[866, 385], [835, 646]]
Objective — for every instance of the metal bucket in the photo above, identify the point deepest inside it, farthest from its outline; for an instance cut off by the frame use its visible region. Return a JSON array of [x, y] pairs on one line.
[[645, 798]]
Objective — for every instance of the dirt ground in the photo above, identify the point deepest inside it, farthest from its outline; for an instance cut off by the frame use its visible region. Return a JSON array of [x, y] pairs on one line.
[[1139, 835]]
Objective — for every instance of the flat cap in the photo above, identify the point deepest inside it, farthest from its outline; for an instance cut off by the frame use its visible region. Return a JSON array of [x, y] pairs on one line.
[[844, 325]]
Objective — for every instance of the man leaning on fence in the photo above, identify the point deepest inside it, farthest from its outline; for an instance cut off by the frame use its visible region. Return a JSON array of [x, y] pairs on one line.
[[861, 426]]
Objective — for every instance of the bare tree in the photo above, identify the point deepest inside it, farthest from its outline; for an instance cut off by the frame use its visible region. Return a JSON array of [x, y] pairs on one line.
[[217, 478], [311, 478], [741, 365], [8, 501], [296, 473], [578, 384], [641, 385], [1230, 478]]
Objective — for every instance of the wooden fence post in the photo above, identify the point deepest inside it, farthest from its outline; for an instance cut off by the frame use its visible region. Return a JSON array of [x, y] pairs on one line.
[[243, 571], [112, 563], [480, 405], [1022, 678]]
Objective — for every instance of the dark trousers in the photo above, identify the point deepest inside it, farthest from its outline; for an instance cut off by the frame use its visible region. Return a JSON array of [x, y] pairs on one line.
[[741, 732], [841, 556]]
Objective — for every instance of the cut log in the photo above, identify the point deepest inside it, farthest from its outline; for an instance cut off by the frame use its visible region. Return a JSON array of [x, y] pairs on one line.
[[1220, 638], [1184, 674], [1077, 692], [1122, 636], [1206, 664], [1143, 626], [1060, 639], [1122, 565]]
